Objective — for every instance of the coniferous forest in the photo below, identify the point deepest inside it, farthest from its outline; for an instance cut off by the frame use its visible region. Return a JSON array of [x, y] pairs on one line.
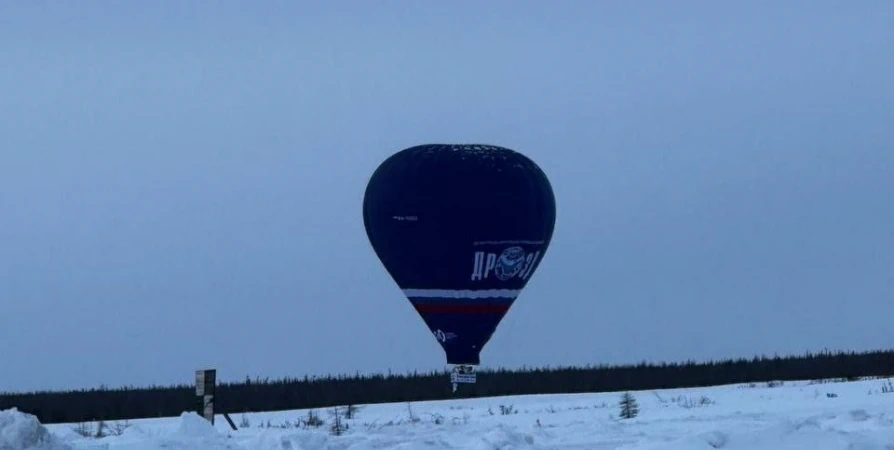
[[317, 392]]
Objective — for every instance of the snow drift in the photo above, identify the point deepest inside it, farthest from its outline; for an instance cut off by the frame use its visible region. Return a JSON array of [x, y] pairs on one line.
[[20, 431]]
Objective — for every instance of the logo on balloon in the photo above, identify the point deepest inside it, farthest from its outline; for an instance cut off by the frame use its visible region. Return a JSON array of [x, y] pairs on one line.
[[441, 336], [512, 262]]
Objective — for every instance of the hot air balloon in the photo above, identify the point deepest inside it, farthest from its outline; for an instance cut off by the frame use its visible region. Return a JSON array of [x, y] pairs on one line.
[[461, 229]]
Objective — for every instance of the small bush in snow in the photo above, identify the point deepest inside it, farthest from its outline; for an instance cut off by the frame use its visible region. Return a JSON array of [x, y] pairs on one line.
[[83, 429], [339, 426], [460, 420], [118, 428], [507, 410], [100, 430], [688, 402], [87, 430], [312, 420], [351, 411], [285, 425]]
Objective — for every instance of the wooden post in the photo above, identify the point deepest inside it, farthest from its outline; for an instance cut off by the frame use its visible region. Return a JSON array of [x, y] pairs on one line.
[[206, 381]]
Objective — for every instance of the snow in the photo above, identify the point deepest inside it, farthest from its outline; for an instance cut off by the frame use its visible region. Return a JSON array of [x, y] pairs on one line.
[[24, 432], [794, 416]]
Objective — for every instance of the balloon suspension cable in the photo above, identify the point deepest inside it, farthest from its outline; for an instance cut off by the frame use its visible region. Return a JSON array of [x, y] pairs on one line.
[[462, 374]]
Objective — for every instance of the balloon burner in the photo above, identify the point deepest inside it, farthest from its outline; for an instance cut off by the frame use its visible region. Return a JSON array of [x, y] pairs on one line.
[[462, 374]]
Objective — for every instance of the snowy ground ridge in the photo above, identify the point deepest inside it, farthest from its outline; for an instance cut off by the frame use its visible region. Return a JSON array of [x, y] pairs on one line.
[[792, 415]]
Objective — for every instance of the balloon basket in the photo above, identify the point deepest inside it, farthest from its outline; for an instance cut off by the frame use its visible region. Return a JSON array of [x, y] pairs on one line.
[[463, 375]]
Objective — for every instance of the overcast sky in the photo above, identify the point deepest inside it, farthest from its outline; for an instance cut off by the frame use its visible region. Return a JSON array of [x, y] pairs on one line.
[[181, 182]]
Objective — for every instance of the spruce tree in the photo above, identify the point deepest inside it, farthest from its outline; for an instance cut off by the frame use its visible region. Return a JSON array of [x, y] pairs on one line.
[[629, 408]]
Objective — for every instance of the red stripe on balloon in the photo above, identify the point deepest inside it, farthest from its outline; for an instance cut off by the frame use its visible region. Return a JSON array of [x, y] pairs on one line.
[[461, 309]]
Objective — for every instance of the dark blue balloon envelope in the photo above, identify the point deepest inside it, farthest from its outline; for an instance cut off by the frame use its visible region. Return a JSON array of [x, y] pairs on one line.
[[461, 229]]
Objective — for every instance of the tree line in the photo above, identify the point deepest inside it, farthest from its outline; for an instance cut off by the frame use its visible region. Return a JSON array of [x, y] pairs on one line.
[[318, 392]]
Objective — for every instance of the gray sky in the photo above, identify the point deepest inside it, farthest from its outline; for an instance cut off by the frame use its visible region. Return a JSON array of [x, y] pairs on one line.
[[181, 185]]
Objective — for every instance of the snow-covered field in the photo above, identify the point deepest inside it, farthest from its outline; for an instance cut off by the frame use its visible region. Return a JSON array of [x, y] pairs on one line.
[[797, 415]]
